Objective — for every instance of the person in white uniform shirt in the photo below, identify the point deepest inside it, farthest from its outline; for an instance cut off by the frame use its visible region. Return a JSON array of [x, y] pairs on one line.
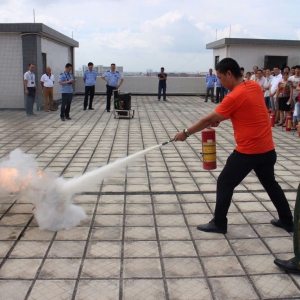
[[30, 89], [47, 81]]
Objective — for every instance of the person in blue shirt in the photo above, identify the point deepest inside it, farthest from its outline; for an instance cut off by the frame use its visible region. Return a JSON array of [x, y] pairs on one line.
[[111, 77], [162, 84], [89, 79], [66, 81], [210, 85]]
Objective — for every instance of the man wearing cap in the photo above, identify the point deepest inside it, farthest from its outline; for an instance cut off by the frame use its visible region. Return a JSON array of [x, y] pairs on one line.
[[30, 89], [89, 79], [47, 81], [111, 77]]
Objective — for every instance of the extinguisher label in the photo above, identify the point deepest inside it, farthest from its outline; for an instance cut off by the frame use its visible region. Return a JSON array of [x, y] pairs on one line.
[[209, 152]]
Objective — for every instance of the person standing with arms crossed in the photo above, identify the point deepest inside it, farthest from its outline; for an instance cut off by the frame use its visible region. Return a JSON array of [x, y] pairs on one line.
[[66, 81], [162, 84], [111, 77], [89, 79], [47, 81], [30, 89], [255, 147]]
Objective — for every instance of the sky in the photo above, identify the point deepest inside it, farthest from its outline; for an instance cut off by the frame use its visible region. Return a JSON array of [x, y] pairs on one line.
[[149, 34]]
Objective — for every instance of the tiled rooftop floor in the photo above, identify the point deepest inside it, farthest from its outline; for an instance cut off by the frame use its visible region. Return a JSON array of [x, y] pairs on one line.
[[140, 239]]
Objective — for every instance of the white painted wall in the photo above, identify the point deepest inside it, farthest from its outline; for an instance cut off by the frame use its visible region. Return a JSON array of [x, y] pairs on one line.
[[248, 56], [11, 71], [57, 57]]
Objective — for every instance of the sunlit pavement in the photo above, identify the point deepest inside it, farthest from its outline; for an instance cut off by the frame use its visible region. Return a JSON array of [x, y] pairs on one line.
[[140, 239]]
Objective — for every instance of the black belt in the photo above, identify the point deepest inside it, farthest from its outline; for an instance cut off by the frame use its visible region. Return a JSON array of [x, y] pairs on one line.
[[111, 86]]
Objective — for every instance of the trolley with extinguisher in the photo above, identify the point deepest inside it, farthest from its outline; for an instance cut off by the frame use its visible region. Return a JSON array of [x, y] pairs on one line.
[[122, 105]]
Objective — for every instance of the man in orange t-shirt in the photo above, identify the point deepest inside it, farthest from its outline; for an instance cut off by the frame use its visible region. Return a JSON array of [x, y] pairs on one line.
[[246, 109]]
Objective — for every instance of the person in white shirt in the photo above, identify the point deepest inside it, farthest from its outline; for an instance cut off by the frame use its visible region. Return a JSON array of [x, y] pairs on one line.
[[30, 89], [47, 81], [267, 87], [274, 85], [295, 79], [255, 69], [260, 79]]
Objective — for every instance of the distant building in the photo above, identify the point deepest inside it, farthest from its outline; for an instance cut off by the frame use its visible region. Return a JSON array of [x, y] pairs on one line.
[[263, 53]]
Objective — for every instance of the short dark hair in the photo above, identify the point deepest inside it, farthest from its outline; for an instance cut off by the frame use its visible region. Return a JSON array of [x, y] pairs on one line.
[[276, 67], [162, 68], [248, 73], [229, 64], [297, 67], [260, 70], [30, 65], [255, 67], [268, 69], [112, 64], [242, 69], [68, 65], [285, 73], [90, 64], [293, 67], [287, 67]]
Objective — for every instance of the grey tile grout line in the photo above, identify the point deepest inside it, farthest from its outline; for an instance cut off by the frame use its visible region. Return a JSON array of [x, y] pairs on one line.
[[121, 280], [40, 266], [93, 220], [188, 227], [154, 219]]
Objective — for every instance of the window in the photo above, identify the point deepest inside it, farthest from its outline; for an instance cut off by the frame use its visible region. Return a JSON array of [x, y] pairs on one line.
[[217, 59]]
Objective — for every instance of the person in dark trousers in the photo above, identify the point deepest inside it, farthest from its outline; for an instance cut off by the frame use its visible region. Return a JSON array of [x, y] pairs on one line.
[[210, 80], [111, 77], [66, 81], [254, 150], [30, 89], [162, 84], [89, 79], [293, 265]]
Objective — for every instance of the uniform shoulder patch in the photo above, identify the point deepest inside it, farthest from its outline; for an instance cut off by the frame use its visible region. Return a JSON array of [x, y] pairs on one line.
[[117, 71]]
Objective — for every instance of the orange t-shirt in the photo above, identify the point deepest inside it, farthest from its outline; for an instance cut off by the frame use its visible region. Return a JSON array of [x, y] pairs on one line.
[[246, 108]]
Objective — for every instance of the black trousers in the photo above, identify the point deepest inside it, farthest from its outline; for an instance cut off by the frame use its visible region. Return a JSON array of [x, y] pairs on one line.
[[237, 167], [109, 91], [218, 95], [88, 91], [66, 100]]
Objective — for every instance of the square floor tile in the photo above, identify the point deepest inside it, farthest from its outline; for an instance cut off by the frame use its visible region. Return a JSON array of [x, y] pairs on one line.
[[240, 232], [248, 246], [225, 265], [14, 289], [54, 289], [177, 249], [139, 220], [275, 286], [77, 233], [107, 233], [139, 209], [137, 289], [280, 244], [67, 249], [91, 289], [104, 249], [188, 289], [20, 268], [101, 268], [170, 220], [167, 208], [140, 233], [140, 249], [173, 233], [60, 268], [182, 267], [30, 249], [232, 288], [108, 220], [142, 267], [213, 247]]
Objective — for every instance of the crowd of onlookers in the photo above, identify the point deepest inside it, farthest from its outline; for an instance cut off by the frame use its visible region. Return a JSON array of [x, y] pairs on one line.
[[280, 89]]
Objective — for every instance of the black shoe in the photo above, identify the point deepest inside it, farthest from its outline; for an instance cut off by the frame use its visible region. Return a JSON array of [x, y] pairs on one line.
[[205, 101], [289, 265], [165, 99], [63, 119], [211, 227], [68, 118], [158, 99], [278, 223], [217, 102], [108, 111], [33, 114], [28, 115], [91, 108], [84, 108]]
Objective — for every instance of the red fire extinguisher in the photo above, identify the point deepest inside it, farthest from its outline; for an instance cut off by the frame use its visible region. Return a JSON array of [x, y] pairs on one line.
[[209, 149], [288, 123], [272, 119]]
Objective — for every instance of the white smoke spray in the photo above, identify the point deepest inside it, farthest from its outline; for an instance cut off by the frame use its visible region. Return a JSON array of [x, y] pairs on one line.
[[53, 195]]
